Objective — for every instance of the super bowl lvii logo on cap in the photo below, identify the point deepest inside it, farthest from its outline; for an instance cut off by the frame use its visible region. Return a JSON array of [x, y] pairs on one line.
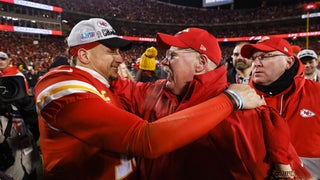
[[87, 35]]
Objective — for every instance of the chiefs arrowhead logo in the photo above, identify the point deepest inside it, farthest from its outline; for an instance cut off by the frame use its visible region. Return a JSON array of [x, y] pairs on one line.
[[306, 113]]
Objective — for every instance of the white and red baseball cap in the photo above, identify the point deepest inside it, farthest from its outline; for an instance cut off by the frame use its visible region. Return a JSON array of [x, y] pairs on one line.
[[89, 33], [307, 53], [3, 56], [195, 38]]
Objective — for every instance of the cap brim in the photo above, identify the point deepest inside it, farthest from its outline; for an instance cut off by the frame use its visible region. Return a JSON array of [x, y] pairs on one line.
[[306, 58], [120, 43], [248, 49], [165, 41]]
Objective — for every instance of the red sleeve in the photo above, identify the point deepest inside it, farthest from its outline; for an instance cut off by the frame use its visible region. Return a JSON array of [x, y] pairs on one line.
[[103, 125]]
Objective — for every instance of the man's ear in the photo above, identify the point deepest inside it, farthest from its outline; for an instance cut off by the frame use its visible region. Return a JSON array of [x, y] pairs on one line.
[[290, 61], [83, 56], [202, 63]]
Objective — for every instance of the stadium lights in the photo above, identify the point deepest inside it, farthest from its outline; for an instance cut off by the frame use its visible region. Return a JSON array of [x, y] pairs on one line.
[[311, 15]]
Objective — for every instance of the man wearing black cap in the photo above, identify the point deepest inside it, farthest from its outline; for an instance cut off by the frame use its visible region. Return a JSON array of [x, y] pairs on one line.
[[246, 145], [84, 131], [278, 76]]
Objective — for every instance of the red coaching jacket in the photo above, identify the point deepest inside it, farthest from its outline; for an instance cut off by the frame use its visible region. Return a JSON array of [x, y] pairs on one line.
[[235, 149]]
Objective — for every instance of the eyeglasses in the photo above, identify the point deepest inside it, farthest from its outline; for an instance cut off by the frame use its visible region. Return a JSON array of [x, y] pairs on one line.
[[263, 57], [171, 54]]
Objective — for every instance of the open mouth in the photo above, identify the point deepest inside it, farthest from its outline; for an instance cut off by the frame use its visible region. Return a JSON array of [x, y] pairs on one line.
[[169, 73]]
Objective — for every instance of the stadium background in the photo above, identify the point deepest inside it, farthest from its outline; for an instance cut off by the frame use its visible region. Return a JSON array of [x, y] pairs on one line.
[[142, 19]]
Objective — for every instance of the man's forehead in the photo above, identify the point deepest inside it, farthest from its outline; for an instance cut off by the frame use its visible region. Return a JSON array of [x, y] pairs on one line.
[[174, 48]]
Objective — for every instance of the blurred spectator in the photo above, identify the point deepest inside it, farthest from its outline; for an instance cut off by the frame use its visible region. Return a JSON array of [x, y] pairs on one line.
[[32, 78], [240, 72], [309, 59], [147, 66], [59, 61], [124, 71]]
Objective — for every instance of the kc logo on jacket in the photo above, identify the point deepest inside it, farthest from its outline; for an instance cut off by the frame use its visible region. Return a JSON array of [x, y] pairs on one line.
[[306, 113]]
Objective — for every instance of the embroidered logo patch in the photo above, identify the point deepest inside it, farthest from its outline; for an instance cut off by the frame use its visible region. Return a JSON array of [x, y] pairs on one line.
[[203, 48], [306, 113]]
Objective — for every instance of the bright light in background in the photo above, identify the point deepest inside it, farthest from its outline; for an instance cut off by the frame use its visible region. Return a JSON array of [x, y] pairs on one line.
[[210, 3]]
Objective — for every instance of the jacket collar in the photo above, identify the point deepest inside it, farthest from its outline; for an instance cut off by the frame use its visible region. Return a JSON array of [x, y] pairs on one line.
[[205, 86]]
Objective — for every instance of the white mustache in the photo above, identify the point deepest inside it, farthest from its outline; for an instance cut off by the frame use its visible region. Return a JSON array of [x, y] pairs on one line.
[[166, 69]]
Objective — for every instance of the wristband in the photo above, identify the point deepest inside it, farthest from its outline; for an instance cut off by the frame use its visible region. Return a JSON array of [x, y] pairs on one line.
[[236, 97], [234, 103]]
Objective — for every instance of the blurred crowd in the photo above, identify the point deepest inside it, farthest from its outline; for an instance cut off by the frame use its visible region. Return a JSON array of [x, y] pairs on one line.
[[159, 12], [145, 18]]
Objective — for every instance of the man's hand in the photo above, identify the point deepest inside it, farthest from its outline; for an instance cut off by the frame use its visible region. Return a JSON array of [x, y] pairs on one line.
[[249, 96]]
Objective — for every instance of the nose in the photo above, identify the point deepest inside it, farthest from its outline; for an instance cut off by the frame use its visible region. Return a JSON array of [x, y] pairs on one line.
[[256, 62], [165, 61]]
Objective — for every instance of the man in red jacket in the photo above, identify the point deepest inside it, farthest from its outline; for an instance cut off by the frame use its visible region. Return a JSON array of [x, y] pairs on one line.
[[278, 76], [246, 145], [84, 131]]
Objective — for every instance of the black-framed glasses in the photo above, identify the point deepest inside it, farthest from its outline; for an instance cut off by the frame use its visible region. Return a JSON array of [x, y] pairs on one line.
[[263, 57], [171, 54]]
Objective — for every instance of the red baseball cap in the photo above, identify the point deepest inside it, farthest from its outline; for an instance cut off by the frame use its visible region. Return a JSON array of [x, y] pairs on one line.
[[266, 44], [195, 38]]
